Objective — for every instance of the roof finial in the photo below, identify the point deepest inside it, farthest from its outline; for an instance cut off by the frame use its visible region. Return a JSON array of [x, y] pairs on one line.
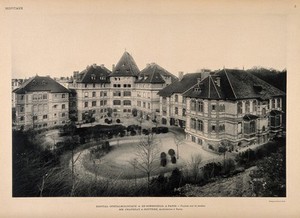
[[125, 49]]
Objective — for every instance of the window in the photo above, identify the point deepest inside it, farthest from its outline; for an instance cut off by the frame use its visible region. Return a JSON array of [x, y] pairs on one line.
[[21, 109], [85, 85], [34, 117], [200, 106], [200, 125], [45, 116], [250, 127], [63, 114], [129, 85], [86, 104], [193, 105], [115, 85], [240, 107], [144, 104], [94, 94], [119, 85], [254, 104], [125, 85], [34, 96], [86, 94], [117, 93], [183, 99], [183, 112], [63, 106], [55, 106], [213, 107], [193, 123], [278, 102], [239, 128], [94, 85], [22, 118], [117, 102], [273, 103], [104, 93], [127, 93], [105, 102], [139, 103], [94, 103], [45, 96], [149, 106], [213, 128], [263, 111], [247, 107], [127, 102], [176, 98], [63, 95], [176, 110], [40, 96], [222, 107], [222, 128], [200, 141], [276, 121]]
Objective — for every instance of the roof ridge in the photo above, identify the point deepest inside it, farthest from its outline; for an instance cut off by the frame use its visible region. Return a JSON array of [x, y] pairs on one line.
[[216, 88], [230, 83], [154, 68]]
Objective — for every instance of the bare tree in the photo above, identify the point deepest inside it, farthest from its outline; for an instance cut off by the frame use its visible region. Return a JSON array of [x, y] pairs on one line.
[[147, 156], [194, 166], [178, 139]]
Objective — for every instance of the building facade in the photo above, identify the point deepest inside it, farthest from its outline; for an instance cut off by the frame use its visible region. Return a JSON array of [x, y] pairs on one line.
[[41, 102], [230, 107]]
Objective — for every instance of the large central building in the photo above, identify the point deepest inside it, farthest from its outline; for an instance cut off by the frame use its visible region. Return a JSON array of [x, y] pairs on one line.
[[97, 92]]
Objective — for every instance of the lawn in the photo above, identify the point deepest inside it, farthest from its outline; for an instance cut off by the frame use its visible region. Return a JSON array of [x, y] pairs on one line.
[[116, 163]]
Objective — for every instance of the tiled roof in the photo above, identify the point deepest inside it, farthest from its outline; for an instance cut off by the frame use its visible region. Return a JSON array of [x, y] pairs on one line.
[[233, 85], [94, 74], [126, 66], [154, 73], [41, 83], [181, 86]]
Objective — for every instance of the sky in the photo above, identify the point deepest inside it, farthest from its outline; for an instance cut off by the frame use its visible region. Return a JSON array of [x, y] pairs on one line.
[[57, 42]]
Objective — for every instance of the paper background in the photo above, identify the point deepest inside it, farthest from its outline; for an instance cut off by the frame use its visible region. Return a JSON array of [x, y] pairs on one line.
[[214, 207]]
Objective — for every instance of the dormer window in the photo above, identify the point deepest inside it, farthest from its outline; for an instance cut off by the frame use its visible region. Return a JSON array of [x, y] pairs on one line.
[[44, 82], [93, 77]]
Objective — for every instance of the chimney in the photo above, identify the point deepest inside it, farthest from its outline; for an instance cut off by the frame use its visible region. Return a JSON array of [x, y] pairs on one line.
[[102, 65], [113, 67], [75, 74], [148, 65], [180, 75], [198, 80]]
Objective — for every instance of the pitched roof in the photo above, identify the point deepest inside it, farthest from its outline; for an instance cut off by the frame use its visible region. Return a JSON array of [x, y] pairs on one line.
[[181, 86], [126, 66], [234, 84], [41, 83], [94, 74], [154, 73]]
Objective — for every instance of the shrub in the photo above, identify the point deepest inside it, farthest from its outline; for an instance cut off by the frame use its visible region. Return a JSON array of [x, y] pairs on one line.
[[163, 155], [171, 152], [173, 160], [163, 162], [118, 121], [132, 132]]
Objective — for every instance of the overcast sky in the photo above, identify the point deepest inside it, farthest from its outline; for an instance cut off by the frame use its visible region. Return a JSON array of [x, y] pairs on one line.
[[57, 43]]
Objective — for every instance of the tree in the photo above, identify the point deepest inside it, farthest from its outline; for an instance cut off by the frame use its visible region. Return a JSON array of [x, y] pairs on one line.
[[194, 167], [178, 141], [147, 156]]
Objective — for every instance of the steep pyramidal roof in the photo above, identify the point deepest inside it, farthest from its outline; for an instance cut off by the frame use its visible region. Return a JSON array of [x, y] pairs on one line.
[[126, 66], [154, 73], [188, 81], [233, 85], [41, 83], [94, 74]]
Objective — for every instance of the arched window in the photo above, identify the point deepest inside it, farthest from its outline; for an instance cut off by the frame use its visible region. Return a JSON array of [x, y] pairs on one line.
[[193, 105], [94, 94]]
